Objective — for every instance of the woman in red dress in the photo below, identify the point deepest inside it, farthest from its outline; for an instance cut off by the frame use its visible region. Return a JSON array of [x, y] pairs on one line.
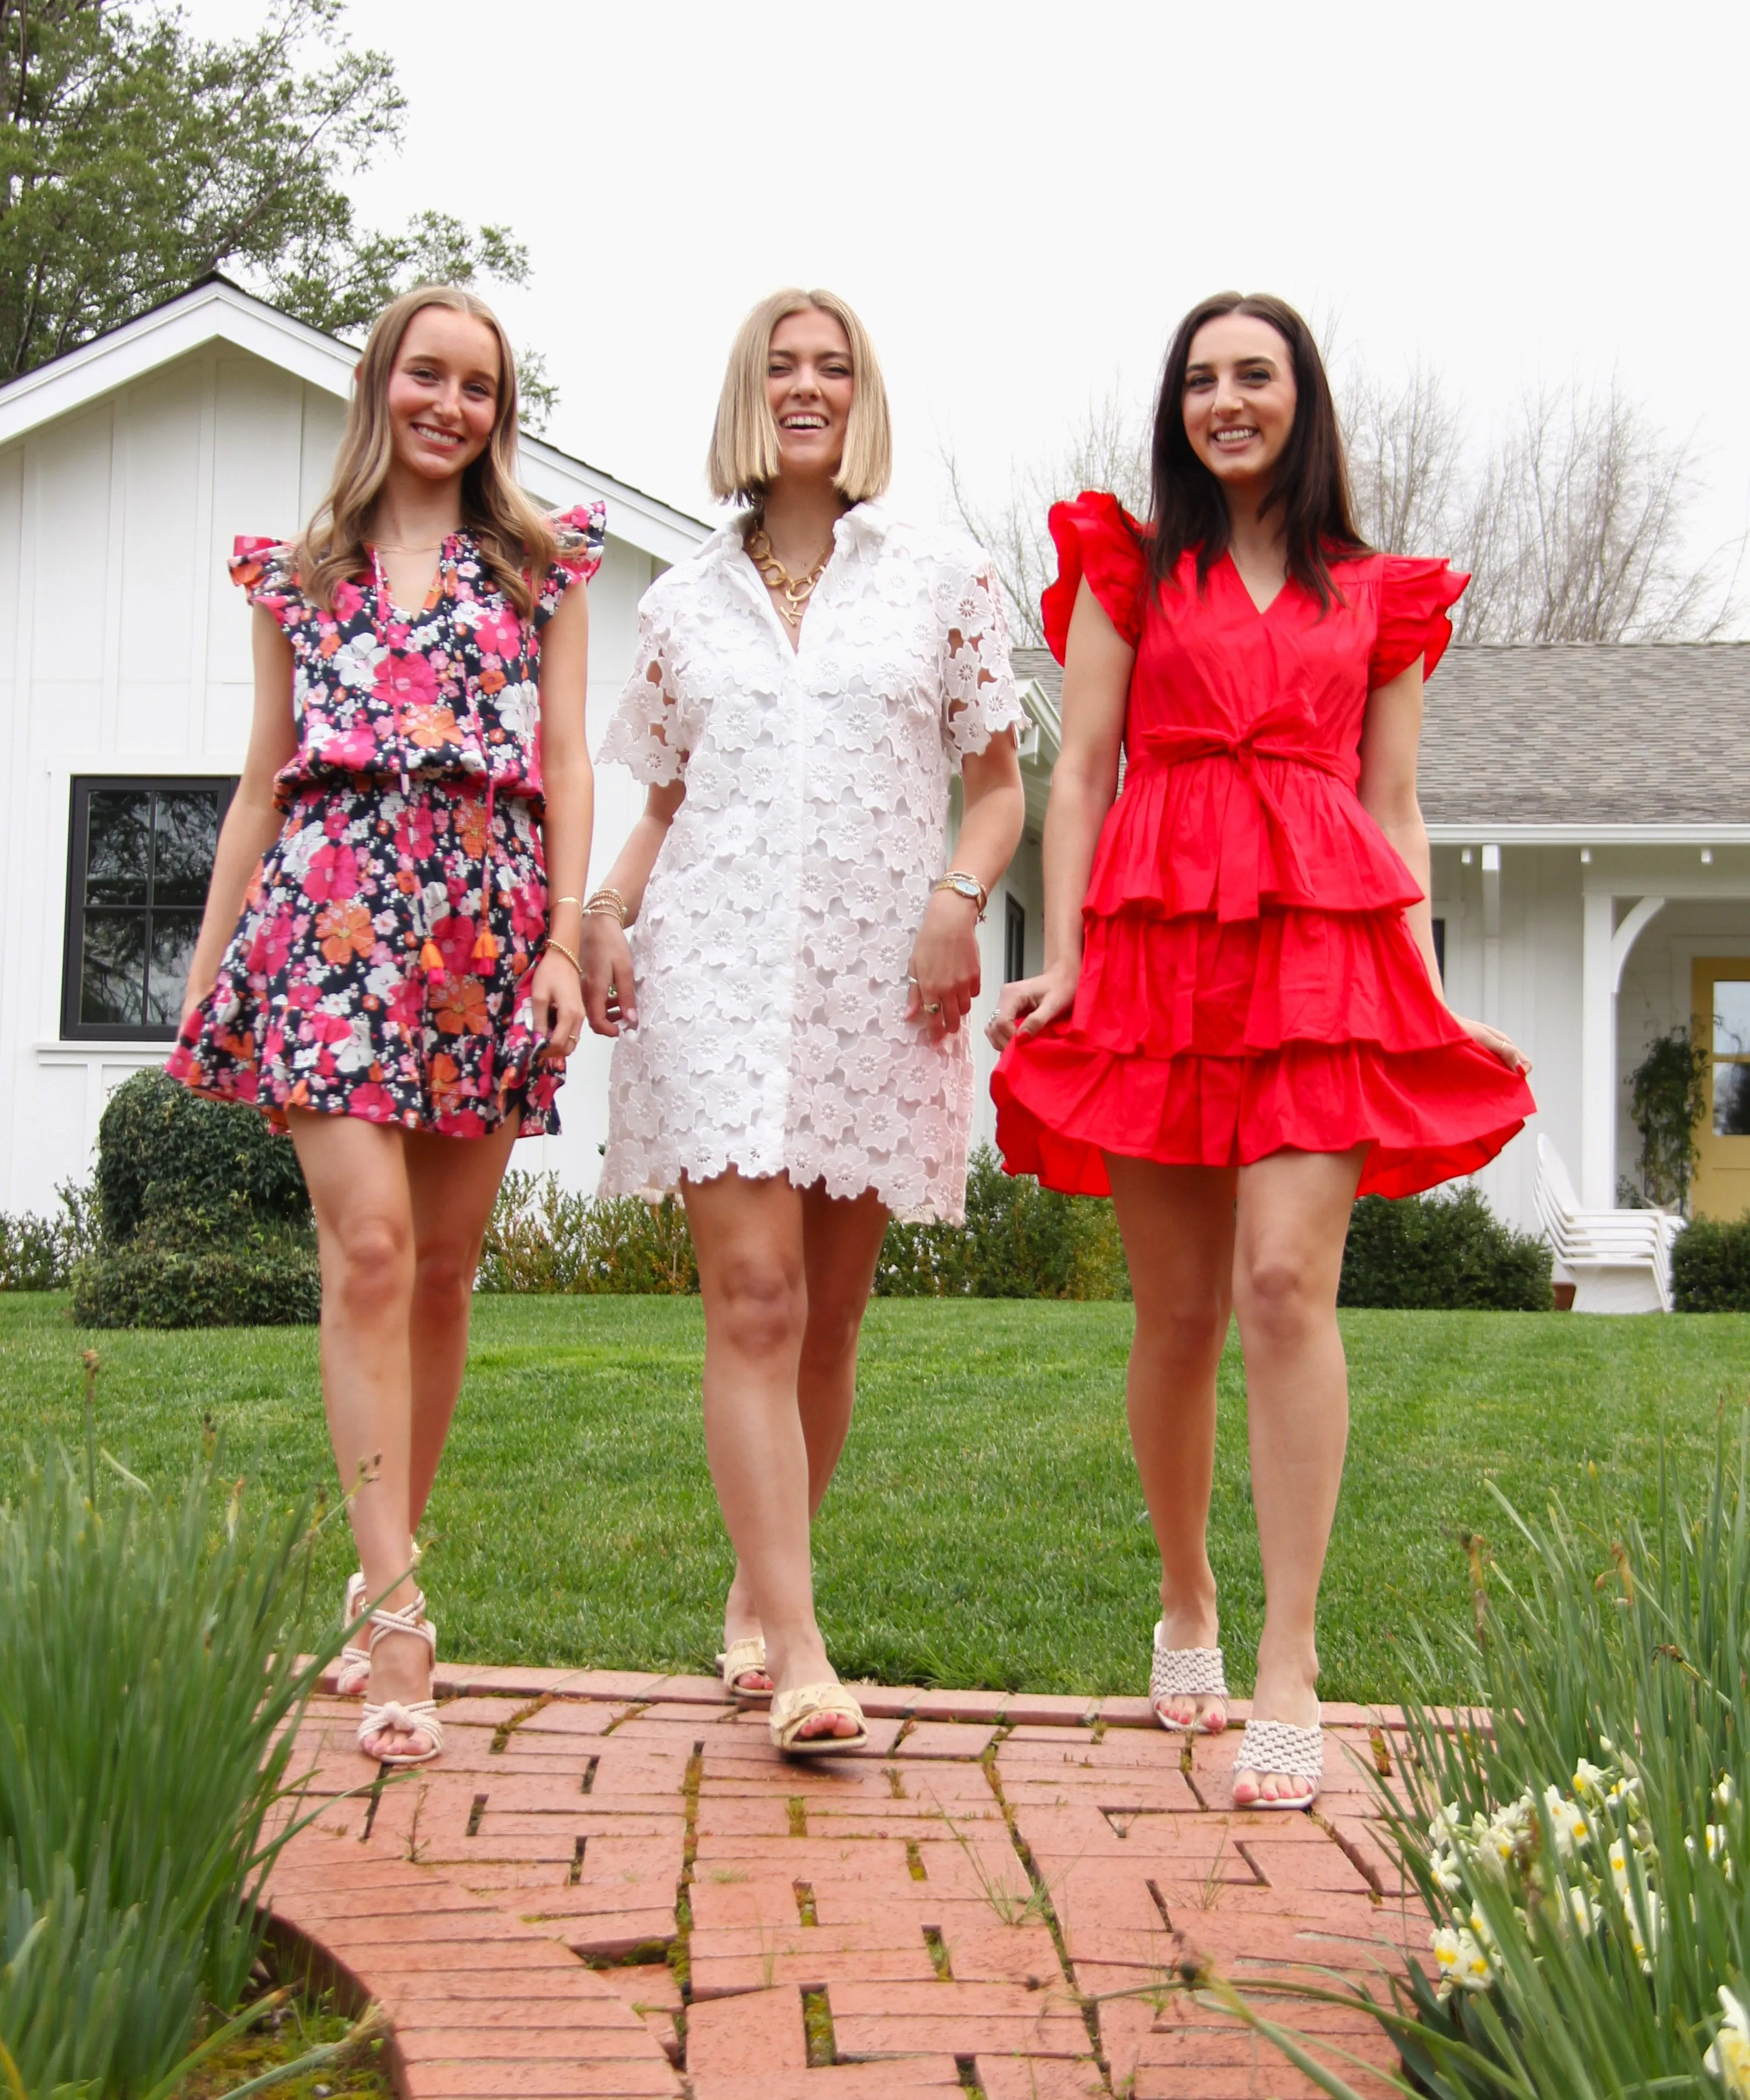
[[1239, 1025]]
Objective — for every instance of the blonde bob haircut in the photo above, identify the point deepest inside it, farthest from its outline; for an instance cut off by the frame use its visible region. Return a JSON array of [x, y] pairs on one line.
[[744, 460], [517, 544]]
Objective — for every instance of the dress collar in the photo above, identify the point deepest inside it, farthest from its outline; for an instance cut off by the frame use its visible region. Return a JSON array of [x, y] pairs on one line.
[[864, 525]]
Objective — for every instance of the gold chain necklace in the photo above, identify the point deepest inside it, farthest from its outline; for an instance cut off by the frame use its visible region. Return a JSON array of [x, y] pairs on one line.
[[796, 590]]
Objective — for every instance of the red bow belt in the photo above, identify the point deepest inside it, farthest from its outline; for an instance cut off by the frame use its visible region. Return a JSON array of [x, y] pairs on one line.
[[1248, 819]]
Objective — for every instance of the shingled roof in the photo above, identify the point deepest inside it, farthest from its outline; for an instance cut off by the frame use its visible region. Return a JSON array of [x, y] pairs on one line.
[[1574, 733]]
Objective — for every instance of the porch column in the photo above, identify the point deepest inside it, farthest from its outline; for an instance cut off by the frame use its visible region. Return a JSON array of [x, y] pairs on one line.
[[1605, 947]]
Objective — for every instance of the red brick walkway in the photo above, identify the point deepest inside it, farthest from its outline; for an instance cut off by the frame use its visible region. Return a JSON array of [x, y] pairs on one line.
[[611, 1884]]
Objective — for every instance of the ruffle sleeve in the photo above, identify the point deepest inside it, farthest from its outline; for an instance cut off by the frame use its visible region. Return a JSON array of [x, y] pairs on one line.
[[1096, 537], [978, 696], [1415, 594], [582, 531], [644, 734], [266, 570]]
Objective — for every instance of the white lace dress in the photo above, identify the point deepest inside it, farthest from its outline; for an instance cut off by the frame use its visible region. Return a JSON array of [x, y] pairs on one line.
[[773, 943]]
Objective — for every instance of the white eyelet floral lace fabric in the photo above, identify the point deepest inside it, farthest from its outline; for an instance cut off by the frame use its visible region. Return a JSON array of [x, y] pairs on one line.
[[772, 947]]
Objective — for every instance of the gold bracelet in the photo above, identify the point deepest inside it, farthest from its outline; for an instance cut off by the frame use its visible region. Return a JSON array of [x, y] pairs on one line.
[[551, 944], [555, 903], [606, 904]]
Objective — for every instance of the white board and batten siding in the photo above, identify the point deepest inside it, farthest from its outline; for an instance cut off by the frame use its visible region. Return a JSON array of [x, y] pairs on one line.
[[126, 470]]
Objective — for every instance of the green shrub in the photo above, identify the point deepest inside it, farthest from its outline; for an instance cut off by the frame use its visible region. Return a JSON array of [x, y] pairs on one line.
[[1710, 1266], [1440, 1253], [541, 1238], [39, 1254], [149, 1686], [1580, 1855], [162, 1148], [205, 1220], [1020, 1241], [266, 1279]]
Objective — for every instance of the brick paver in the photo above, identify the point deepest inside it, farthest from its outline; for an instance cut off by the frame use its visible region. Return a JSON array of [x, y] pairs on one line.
[[610, 1885]]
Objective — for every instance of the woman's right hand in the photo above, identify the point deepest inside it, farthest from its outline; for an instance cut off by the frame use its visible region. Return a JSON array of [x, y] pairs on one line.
[[610, 991], [194, 991], [1031, 1003]]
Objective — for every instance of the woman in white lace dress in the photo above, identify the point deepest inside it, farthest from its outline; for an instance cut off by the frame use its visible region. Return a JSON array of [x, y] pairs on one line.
[[790, 1005]]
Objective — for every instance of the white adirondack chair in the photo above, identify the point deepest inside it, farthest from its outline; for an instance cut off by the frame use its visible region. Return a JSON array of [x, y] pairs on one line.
[[1620, 1260]]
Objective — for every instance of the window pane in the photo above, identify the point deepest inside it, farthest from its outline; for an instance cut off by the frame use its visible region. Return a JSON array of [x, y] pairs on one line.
[[185, 832], [117, 845], [1731, 1017], [112, 968], [1731, 1100], [1014, 941], [173, 939]]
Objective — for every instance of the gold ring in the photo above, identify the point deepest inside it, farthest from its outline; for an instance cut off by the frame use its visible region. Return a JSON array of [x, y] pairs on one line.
[[932, 1006]]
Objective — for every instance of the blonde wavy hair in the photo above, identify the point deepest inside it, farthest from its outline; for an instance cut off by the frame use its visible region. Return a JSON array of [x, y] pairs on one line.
[[744, 457], [518, 546]]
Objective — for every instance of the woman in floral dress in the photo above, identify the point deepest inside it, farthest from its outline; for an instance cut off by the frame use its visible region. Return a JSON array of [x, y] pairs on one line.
[[791, 1054], [379, 968]]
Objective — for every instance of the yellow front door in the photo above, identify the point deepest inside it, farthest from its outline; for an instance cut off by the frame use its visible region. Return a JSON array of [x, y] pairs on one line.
[[1722, 1138]]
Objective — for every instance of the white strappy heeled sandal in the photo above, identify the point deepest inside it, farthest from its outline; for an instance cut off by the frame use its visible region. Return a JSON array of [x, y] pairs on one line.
[[352, 1669], [1279, 1746], [1186, 1673], [417, 1717]]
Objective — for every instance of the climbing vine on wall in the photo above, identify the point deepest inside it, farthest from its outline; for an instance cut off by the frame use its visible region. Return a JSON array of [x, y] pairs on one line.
[[1668, 1094]]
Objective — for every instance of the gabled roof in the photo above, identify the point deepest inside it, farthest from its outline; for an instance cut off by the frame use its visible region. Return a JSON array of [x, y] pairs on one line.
[[217, 309], [1572, 740]]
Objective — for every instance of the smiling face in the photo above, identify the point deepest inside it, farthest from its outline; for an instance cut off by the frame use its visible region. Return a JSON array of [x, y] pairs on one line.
[[810, 386], [1239, 397], [443, 394]]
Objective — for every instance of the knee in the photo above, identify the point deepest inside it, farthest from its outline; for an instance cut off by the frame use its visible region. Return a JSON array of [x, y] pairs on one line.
[[758, 1309], [368, 1264], [1282, 1297], [443, 1278], [1180, 1333], [833, 1326]]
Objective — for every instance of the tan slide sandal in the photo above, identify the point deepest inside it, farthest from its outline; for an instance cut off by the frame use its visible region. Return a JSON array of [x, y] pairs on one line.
[[791, 1709]]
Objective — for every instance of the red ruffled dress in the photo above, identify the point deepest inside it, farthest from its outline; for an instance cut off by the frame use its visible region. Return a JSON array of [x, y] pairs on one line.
[[1249, 983]]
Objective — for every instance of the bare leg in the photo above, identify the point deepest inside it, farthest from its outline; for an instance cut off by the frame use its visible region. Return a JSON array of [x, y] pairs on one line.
[[356, 1173], [453, 1183], [1177, 1225], [842, 1239], [1293, 1216], [748, 1236]]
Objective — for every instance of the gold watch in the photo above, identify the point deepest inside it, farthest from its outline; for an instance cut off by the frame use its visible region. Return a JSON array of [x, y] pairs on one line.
[[965, 885]]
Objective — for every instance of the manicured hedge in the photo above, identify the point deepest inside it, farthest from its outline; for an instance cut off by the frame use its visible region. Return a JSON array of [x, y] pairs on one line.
[[1440, 1253], [1020, 1241], [1710, 1267], [204, 1218]]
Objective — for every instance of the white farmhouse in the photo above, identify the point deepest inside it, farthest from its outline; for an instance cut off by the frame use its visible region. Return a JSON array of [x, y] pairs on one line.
[[1589, 805]]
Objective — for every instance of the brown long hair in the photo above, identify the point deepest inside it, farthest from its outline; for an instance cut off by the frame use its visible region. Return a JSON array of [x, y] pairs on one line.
[[1311, 483], [516, 542]]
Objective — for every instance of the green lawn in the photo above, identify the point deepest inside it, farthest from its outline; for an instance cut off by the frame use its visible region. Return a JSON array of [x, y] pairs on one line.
[[986, 1526]]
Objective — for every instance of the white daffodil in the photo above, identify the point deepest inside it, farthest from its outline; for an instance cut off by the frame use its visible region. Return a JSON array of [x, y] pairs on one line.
[[1723, 1793], [1567, 1820], [1728, 2056], [1462, 1964], [1589, 1778]]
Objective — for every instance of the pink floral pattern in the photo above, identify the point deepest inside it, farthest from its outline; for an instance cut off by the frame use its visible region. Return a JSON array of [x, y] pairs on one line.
[[380, 968]]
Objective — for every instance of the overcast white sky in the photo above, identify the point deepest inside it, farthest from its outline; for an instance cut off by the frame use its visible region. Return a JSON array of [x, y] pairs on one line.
[[1021, 200]]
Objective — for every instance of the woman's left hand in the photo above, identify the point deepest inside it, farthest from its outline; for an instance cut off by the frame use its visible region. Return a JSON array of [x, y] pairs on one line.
[[944, 973], [1497, 1044], [557, 996]]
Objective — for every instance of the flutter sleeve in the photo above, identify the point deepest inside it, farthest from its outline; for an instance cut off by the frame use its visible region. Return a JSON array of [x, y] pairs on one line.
[[581, 531], [644, 734], [978, 696], [267, 571], [1415, 596], [1095, 537]]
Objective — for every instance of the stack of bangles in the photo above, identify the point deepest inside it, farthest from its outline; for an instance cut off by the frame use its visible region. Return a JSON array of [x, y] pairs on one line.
[[603, 903]]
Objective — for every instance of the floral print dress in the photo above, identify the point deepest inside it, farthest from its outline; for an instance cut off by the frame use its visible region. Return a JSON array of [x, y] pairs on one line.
[[380, 966]]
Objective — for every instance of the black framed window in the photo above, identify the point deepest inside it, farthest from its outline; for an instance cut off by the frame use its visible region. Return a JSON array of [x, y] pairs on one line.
[[1014, 941], [139, 858], [1439, 927]]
